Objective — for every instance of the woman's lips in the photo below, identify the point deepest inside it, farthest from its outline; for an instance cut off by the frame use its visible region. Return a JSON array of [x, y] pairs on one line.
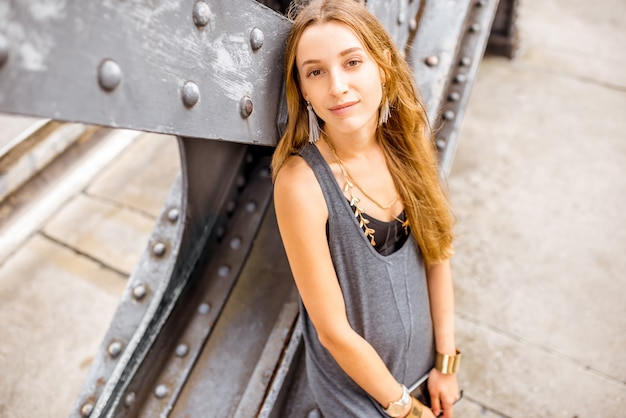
[[342, 109]]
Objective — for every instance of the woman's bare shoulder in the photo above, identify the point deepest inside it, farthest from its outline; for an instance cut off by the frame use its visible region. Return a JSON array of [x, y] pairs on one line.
[[297, 187]]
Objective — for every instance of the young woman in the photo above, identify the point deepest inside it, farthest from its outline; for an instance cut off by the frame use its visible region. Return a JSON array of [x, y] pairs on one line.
[[364, 221]]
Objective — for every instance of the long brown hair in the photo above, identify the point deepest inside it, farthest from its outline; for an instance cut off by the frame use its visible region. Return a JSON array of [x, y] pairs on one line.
[[406, 138]]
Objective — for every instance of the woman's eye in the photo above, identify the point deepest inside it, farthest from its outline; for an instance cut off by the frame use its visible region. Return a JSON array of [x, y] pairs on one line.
[[353, 63], [314, 73]]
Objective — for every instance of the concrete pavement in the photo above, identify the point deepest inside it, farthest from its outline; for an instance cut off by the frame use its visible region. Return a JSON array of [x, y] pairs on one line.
[[538, 187]]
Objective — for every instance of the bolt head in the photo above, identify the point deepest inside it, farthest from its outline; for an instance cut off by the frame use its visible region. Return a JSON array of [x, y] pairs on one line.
[[86, 409], [448, 115], [475, 27], [130, 399], [190, 94], [173, 215], [158, 249], [441, 144], [460, 78], [182, 350], [413, 24], [454, 96], [204, 308], [201, 13], [432, 61], [223, 271], [109, 74], [465, 61], [235, 243], [256, 38], [245, 107], [114, 349], [161, 391], [139, 292]]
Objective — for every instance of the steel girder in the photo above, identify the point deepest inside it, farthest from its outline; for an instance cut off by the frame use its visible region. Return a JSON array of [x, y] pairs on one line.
[[208, 323]]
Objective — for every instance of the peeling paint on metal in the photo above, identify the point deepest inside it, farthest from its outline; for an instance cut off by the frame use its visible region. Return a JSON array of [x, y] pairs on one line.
[[46, 10], [232, 61]]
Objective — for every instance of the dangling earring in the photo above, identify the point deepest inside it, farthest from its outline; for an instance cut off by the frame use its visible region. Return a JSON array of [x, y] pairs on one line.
[[385, 110], [314, 127]]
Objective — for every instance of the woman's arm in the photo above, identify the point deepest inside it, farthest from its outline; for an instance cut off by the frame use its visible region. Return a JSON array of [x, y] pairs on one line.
[[302, 215], [443, 388]]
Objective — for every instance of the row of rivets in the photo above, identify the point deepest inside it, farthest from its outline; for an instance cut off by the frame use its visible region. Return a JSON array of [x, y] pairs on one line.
[[459, 78], [4, 49], [161, 391]]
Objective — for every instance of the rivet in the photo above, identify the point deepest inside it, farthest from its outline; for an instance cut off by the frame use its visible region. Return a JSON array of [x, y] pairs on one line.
[[475, 27], [401, 15], [432, 61], [241, 181], [223, 271], [86, 409], [448, 115], [441, 144], [460, 78], [204, 308], [465, 61], [251, 206], [173, 214], [190, 94], [413, 24], [4, 49], [130, 399], [230, 207], [158, 249], [314, 413], [109, 74], [114, 349], [182, 350], [235, 243], [220, 231], [481, 3], [139, 291], [161, 391], [265, 173], [454, 96], [245, 107], [256, 38], [201, 13], [249, 158]]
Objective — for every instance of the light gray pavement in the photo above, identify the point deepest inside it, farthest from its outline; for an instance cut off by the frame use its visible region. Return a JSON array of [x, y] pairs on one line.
[[538, 187]]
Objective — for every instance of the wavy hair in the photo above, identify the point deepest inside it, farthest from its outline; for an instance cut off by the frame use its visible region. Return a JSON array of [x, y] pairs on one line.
[[405, 139]]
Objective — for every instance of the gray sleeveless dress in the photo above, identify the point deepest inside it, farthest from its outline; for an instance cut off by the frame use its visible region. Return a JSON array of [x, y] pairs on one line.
[[386, 301]]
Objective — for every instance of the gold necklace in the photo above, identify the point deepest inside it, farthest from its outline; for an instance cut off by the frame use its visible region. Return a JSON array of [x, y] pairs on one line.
[[351, 182]]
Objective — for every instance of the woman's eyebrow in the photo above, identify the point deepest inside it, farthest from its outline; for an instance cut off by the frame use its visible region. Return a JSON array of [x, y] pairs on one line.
[[341, 54]]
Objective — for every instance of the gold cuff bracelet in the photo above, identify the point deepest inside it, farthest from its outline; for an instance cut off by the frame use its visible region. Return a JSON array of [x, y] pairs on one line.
[[447, 364]]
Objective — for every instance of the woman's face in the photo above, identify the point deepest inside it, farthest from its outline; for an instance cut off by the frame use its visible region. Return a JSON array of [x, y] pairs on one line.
[[339, 78]]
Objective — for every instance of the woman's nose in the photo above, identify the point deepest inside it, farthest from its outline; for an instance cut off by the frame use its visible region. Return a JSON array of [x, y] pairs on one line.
[[338, 83]]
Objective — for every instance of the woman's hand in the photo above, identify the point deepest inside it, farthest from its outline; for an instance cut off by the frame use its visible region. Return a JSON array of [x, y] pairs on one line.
[[444, 391]]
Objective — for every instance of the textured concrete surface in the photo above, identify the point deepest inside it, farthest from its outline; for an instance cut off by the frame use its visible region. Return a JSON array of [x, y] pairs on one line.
[[538, 186], [54, 305]]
